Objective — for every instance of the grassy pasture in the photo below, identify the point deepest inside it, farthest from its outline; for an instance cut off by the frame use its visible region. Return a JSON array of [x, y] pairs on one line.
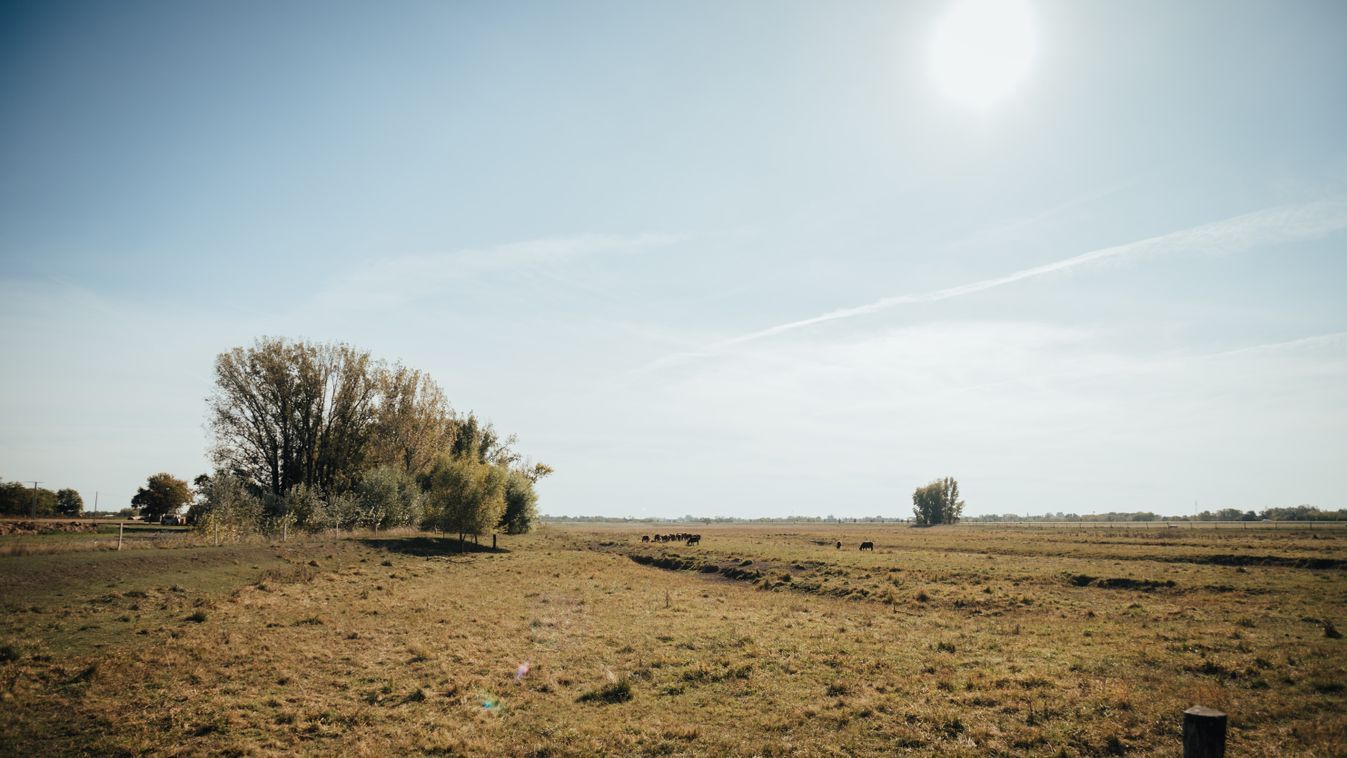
[[763, 640], [104, 536]]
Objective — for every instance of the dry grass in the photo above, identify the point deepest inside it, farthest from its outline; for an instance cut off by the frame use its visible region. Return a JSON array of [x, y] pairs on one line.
[[965, 642]]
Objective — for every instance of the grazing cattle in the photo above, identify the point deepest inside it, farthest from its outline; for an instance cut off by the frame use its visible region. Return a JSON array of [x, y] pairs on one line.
[[839, 544], [645, 538], [676, 537], [694, 539], [868, 546]]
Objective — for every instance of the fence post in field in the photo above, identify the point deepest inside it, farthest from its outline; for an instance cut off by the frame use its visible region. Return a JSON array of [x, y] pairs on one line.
[[493, 542], [285, 532], [1203, 733], [121, 530]]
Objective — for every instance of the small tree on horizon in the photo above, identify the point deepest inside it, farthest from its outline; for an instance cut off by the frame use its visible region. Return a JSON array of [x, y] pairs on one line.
[[163, 493], [69, 502], [937, 503]]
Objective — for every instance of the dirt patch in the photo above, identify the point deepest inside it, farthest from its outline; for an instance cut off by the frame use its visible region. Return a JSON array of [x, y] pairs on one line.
[[1120, 583], [1281, 561]]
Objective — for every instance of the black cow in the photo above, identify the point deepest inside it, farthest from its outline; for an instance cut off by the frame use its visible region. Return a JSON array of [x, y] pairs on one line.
[[694, 539], [839, 544], [868, 546], [645, 538]]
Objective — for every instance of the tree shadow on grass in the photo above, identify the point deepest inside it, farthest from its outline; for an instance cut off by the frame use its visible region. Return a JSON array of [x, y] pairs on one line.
[[430, 546]]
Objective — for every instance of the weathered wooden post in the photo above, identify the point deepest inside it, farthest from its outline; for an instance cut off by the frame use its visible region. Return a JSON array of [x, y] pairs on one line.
[[1203, 733], [121, 531], [493, 542]]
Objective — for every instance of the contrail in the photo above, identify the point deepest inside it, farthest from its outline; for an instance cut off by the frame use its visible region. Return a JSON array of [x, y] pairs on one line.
[[1314, 341], [1264, 227]]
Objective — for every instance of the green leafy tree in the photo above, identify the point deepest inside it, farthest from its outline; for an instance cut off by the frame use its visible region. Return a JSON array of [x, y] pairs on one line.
[[465, 496], [16, 499], [11, 499], [344, 512], [303, 505], [69, 502], [388, 498], [481, 442], [937, 503], [225, 508], [521, 504], [163, 493]]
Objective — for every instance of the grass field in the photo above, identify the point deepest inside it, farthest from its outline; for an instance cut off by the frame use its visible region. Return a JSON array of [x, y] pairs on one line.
[[103, 534], [763, 640]]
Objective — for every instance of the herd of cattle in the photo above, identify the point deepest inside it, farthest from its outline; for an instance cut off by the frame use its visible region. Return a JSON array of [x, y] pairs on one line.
[[695, 539], [691, 539]]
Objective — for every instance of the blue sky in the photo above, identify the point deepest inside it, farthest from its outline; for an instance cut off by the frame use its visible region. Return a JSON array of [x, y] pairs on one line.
[[612, 228]]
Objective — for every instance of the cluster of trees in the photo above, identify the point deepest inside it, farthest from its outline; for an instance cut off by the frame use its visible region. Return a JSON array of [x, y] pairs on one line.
[[937, 503], [1303, 513], [323, 436], [38, 502]]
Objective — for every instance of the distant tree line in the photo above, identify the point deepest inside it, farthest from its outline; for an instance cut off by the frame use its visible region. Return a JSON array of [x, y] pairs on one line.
[[16, 499], [726, 520], [323, 436], [1294, 513]]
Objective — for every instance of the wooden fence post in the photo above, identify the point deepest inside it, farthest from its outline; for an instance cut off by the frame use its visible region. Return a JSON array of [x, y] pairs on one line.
[[121, 530], [1203, 733]]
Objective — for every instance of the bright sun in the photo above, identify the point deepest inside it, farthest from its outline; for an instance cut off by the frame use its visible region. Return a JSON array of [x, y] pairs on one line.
[[982, 51]]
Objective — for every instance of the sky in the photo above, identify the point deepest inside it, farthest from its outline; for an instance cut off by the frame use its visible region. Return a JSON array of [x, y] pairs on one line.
[[711, 258]]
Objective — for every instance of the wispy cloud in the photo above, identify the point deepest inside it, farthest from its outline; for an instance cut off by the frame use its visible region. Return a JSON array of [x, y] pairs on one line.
[[393, 281], [1251, 230]]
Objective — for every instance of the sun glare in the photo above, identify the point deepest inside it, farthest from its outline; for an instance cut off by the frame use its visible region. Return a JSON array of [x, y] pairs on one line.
[[982, 51]]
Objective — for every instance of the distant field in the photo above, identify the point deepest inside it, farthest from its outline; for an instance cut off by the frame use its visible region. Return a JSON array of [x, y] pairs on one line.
[[104, 534], [763, 640]]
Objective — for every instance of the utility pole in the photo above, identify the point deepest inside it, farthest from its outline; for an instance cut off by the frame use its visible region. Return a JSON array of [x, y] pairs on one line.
[[33, 509]]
